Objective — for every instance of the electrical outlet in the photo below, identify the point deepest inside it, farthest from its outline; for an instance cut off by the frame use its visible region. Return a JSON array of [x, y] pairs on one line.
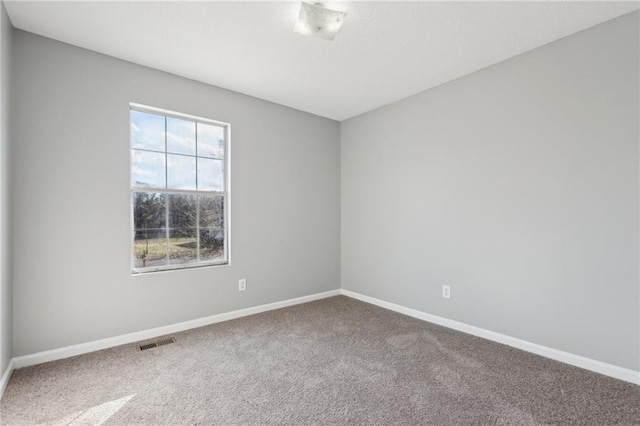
[[446, 292], [242, 284]]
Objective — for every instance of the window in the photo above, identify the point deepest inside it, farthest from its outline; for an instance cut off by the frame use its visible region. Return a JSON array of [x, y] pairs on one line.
[[179, 190]]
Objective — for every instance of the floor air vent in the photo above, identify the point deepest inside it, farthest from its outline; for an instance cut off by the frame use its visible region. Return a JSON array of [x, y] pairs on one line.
[[162, 342]]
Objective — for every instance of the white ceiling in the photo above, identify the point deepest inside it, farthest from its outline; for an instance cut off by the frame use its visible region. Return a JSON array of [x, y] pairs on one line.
[[385, 51]]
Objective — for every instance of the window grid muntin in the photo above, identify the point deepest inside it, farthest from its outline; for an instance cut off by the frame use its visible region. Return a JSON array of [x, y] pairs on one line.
[[195, 157], [166, 190]]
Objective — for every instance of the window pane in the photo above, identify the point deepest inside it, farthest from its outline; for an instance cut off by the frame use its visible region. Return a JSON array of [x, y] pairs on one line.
[[210, 175], [149, 210], [181, 172], [212, 211], [182, 246], [182, 211], [147, 169], [150, 248], [181, 136], [147, 131], [210, 141], [211, 227], [211, 244]]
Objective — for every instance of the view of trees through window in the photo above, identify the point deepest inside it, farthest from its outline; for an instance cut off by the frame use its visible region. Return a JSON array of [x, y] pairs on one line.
[[178, 191]]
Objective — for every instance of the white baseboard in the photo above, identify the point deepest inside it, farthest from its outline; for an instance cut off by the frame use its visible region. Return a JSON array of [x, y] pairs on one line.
[[83, 348], [555, 354], [6, 376]]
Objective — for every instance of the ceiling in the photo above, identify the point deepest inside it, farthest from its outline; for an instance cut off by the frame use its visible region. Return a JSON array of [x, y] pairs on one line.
[[385, 51]]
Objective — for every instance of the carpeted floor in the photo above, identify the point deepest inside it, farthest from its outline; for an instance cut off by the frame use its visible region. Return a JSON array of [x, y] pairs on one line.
[[334, 361]]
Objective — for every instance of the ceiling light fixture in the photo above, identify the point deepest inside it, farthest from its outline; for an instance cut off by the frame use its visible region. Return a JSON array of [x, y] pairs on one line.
[[315, 20]]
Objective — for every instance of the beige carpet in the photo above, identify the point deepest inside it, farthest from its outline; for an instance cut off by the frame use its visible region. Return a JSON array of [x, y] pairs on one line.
[[334, 361]]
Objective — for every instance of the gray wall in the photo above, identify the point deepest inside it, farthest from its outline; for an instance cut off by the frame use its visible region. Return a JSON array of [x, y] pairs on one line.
[[6, 351], [72, 281], [517, 186]]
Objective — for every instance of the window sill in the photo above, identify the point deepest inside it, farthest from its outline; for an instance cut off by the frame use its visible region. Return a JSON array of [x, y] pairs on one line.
[[177, 268]]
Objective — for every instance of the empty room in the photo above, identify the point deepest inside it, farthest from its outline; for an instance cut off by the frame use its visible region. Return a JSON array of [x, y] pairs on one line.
[[337, 213]]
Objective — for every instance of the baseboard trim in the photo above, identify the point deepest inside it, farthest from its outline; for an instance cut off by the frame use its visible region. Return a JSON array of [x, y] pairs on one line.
[[555, 354], [83, 348], [6, 376]]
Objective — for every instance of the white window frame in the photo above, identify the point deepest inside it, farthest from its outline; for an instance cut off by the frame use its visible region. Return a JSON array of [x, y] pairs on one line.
[[226, 194]]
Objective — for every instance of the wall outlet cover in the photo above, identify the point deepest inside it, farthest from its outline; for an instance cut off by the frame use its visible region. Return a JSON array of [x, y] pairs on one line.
[[446, 292]]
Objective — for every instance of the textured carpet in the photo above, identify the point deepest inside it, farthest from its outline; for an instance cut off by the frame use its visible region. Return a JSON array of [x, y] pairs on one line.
[[334, 361]]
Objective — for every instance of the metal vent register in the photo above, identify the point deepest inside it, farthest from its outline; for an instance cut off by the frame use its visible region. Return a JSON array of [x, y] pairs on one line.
[[162, 342]]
